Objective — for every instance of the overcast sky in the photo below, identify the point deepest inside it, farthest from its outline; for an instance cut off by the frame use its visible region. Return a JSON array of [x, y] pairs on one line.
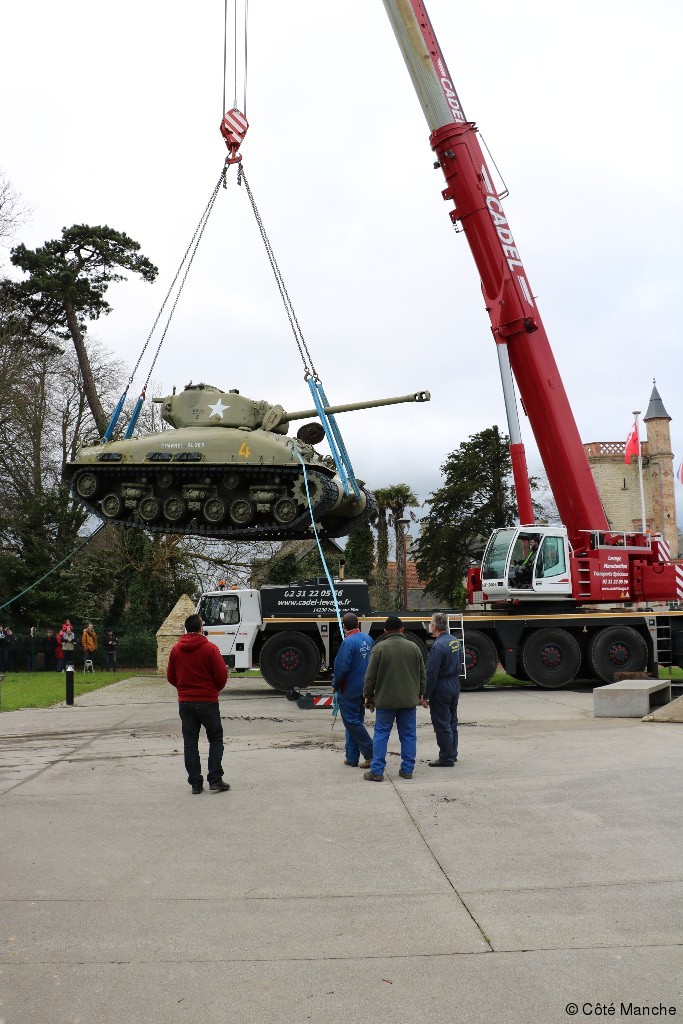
[[110, 114]]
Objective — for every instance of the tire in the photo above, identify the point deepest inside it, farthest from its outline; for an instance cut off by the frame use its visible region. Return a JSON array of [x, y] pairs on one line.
[[617, 649], [149, 509], [481, 660], [422, 648], [551, 658], [289, 660]]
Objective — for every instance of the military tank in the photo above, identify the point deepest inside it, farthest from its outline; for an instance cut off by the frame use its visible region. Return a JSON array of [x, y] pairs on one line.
[[228, 469]]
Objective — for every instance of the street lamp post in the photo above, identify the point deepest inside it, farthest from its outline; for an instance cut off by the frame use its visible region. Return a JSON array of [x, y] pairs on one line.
[[405, 523]]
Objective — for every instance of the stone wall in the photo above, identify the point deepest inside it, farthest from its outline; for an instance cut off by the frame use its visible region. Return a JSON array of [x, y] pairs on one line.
[[171, 629]]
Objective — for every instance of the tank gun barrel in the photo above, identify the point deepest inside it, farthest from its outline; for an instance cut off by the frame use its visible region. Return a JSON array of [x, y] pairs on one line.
[[332, 410]]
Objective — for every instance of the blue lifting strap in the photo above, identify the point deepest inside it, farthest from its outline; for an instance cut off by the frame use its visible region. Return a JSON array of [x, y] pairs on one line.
[[134, 418], [106, 436], [334, 438]]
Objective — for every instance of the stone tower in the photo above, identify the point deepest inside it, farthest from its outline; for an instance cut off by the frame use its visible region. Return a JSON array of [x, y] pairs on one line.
[[618, 485], [660, 469]]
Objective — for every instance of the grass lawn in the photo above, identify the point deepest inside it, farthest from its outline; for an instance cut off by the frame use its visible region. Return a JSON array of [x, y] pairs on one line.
[[500, 679], [43, 689]]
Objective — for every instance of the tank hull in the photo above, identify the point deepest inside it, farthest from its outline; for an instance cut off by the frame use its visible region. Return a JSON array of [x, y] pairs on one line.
[[240, 484]]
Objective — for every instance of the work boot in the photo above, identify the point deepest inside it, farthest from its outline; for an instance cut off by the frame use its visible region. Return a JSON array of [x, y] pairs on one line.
[[442, 764], [353, 764], [219, 787], [366, 763], [371, 777], [405, 775], [197, 787]]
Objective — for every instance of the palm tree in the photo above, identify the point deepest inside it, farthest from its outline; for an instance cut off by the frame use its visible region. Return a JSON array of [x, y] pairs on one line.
[[399, 497], [380, 521]]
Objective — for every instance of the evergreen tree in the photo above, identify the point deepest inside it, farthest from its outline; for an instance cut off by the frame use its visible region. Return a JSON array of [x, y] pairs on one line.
[[476, 497], [66, 286], [359, 555]]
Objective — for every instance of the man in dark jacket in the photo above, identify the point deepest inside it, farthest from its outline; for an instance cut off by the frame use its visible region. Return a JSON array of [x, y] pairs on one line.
[[198, 672], [394, 686], [443, 689], [349, 675]]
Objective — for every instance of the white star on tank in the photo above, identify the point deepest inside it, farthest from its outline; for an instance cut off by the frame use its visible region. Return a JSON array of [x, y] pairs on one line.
[[218, 409]]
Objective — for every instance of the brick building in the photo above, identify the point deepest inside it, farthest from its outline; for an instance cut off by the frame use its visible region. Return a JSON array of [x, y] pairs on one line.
[[618, 485]]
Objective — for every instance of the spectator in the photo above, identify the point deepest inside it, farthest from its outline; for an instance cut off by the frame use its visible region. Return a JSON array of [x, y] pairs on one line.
[[59, 651], [394, 686], [3, 649], [12, 641], [49, 648], [443, 689], [110, 645], [68, 638], [89, 643], [31, 650], [350, 664], [198, 672]]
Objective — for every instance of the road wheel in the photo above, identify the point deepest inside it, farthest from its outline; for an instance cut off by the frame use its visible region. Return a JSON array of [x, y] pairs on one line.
[[551, 658], [242, 511], [87, 484], [175, 508], [214, 510], [481, 660], [112, 505], [149, 509], [617, 649], [289, 660]]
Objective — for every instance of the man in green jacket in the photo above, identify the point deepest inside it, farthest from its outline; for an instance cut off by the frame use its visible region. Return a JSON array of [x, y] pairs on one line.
[[394, 686]]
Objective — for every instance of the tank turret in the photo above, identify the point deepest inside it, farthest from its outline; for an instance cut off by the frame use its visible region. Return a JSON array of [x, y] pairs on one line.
[[227, 469]]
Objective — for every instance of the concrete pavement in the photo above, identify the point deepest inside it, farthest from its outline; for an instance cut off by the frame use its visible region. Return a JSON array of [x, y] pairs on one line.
[[543, 870]]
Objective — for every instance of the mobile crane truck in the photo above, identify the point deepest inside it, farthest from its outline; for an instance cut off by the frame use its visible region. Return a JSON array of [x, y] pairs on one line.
[[549, 603]]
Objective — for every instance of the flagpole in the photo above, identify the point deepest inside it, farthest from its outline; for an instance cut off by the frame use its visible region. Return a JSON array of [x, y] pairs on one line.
[[640, 475]]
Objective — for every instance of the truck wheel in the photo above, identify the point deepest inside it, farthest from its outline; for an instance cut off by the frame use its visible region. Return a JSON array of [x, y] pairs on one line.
[[289, 660], [551, 658], [481, 660], [617, 649]]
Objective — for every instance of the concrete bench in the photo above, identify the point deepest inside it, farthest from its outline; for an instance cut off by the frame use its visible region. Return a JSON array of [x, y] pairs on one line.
[[630, 698]]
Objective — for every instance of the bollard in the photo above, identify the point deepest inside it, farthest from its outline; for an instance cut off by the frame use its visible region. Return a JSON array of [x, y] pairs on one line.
[[69, 672]]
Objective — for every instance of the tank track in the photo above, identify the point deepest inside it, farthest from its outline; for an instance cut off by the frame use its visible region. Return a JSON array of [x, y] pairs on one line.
[[299, 529], [338, 527]]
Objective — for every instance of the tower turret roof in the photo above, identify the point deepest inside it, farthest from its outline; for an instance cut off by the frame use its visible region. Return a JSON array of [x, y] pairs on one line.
[[656, 410]]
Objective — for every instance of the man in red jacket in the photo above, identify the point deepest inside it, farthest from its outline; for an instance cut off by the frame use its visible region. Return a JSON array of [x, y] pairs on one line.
[[198, 672]]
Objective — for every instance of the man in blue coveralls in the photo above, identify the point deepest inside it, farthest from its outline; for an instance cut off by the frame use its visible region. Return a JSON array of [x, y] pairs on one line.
[[349, 674], [443, 689]]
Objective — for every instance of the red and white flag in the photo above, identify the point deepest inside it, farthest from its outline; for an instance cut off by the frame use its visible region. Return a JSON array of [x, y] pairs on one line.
[[679, 474], [632, 444]]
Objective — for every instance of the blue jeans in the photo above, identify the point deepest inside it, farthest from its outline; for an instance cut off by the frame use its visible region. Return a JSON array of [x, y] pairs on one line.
[[193, 716], [444, 715], [358, 739], [406, 723]]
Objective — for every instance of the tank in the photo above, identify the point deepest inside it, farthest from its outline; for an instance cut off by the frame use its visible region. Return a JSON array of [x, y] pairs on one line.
[[228, 469]]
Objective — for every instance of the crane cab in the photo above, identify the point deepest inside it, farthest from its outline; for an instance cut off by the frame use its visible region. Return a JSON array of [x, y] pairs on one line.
[[527, 562]]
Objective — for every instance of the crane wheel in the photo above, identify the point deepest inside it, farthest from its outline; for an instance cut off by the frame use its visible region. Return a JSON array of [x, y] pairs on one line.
[[551, 658], [481, 660], [289, 660], [617, 649]]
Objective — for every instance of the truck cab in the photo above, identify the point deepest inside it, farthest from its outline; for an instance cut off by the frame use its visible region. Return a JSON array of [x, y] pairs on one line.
[[232, 620], [527, 562]]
